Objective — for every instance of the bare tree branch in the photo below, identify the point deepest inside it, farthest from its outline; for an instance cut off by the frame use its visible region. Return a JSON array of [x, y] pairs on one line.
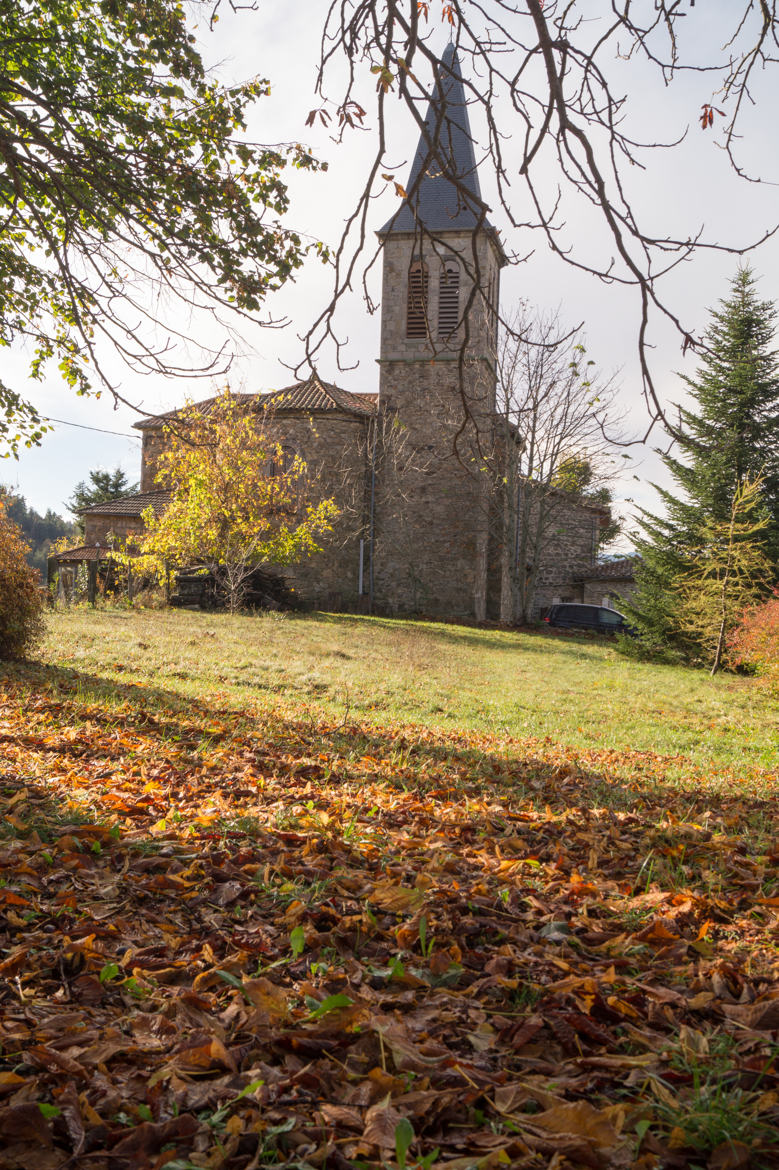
[[543, 83]]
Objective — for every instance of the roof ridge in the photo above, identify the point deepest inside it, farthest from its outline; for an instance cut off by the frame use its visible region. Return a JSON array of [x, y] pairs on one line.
[[340, 398]]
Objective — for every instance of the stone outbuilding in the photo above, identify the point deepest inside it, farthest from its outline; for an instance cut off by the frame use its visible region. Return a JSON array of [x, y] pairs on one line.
[[607, 582], [116, 522]]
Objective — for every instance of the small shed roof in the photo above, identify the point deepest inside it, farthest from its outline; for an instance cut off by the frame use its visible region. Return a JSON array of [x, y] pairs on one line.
[[84, 552]]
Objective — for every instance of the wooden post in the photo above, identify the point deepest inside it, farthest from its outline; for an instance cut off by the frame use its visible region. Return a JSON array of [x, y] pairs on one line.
[[52, 577], [91, 581]]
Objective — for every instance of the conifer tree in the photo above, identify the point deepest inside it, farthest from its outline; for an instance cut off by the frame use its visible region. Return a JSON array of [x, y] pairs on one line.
[[38, 531], [729, 435], [726, 575]]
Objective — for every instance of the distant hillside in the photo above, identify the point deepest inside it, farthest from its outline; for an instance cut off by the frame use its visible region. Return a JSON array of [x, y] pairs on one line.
[[40, 532]]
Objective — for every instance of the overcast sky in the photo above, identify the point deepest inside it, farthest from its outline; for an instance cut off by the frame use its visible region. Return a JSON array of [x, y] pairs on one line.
[[683, 190]]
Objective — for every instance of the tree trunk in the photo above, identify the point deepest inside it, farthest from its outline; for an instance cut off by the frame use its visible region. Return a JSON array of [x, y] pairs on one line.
[[508, 556], [720, 648]]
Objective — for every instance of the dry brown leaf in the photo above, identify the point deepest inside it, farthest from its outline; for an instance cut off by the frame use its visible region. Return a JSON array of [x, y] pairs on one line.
[[268, 996], [763, 1016], [24, 1122], [9, 1081], [729, 1155], [115, 940], [395, 898], [581, 1120], [381, 1122], [342, 1115]]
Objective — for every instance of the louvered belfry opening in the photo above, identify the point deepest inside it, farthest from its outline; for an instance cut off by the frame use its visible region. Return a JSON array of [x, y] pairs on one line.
[[416, 308], [449, 299]]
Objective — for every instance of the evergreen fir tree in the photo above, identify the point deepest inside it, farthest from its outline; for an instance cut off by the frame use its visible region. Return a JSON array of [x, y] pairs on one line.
[[729, 437]]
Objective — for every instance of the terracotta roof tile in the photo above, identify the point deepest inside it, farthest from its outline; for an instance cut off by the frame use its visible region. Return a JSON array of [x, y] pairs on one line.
[[317, 395], [312, 395], [84, 552], [130, 505]]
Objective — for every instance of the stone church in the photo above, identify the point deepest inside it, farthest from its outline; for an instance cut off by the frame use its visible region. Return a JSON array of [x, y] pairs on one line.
[[413, 467]]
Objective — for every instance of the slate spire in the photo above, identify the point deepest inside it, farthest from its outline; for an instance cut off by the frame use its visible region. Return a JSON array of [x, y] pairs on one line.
[[434, 201]]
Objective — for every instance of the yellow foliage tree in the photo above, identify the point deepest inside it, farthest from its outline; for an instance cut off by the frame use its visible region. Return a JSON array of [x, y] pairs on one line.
[[725, 574], [238, 500]]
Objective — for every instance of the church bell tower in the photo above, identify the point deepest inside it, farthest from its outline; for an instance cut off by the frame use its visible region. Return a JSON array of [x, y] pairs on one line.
[[441, 270]]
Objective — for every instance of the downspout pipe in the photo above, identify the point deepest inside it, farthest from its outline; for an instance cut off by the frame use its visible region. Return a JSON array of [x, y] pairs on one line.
[[372, 516]]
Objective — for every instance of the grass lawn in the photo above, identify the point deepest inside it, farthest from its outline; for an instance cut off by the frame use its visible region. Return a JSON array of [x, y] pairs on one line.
[[333, 892], [576, 689]]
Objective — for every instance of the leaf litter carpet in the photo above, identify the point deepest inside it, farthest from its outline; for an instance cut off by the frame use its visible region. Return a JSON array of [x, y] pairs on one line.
[[235, 942]]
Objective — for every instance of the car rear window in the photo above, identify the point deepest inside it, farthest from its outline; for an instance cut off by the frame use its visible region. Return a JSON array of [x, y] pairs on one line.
[[610, 617]]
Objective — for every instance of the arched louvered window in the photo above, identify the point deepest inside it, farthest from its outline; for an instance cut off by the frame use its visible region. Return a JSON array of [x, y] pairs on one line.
[[416, 307], [449, 298], [281, 460]]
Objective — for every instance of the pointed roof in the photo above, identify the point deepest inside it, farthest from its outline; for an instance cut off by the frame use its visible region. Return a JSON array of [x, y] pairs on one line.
[[316, 395], [435, 201]]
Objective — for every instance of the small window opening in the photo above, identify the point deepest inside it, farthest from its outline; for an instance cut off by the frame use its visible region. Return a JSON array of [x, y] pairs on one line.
[[282, 461], [449, 299], [416, 308]]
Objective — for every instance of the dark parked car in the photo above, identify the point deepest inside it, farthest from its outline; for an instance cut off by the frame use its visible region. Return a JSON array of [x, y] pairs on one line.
[[571, 616]]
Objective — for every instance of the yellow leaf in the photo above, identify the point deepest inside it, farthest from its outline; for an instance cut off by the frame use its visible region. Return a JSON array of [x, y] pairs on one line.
[[678, 1139]]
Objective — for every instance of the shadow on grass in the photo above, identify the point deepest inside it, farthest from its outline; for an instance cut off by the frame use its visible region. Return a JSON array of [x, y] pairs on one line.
[[406, 798], [407, 758], [496, 639]]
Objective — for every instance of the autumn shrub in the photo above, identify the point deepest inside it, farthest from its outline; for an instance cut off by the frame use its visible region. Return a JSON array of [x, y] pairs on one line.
[[21, 598], [150, 597], [754, 644]]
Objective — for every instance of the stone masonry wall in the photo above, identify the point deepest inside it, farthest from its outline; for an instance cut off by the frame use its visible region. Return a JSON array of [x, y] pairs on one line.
[[594, 591], [432, 507], [400, 251], [153, 446], [569, 548], [335, 448], [97, 528]]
